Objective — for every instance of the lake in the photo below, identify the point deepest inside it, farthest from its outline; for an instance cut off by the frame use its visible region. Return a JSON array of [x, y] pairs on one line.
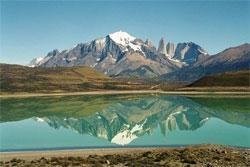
[[95, 121]]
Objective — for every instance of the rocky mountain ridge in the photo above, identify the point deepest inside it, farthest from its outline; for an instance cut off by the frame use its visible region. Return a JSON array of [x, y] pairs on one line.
[[119, 52]]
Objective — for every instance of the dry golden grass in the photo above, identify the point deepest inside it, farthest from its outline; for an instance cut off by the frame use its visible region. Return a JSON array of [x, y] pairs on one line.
[[16, 78]]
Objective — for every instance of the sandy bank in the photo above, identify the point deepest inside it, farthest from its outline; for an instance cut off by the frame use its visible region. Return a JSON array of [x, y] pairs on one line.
[[240, 93]]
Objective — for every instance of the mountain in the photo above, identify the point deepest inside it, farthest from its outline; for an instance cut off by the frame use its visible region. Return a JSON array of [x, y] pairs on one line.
[[40, 60], [120, 53], [232, 59], [239, 78], [170, 49], [188, 52], [162, 47]]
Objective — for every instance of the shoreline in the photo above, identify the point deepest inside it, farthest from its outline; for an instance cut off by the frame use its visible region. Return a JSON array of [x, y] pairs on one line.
[[74, 152], [124, 92], [155, 156]]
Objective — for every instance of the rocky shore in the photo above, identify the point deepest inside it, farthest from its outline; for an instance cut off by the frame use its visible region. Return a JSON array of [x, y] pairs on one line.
[[173, 157]]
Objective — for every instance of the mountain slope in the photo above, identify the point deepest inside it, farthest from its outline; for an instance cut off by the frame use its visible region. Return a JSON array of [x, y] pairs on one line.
[[231, 59], [142, 71]]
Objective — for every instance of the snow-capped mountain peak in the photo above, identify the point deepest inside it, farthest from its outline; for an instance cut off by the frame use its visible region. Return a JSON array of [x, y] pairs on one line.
[[125, 40], [120, 53], [122, 38]]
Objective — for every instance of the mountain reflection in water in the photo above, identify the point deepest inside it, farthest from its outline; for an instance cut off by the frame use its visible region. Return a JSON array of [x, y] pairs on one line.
[[122, 118]]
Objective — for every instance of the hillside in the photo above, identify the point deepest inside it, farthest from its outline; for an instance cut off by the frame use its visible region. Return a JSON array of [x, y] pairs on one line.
[[22, 79], [240, 78], [17, 78]]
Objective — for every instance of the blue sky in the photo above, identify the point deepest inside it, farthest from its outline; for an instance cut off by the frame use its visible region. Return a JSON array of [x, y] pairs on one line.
[[31, 28]]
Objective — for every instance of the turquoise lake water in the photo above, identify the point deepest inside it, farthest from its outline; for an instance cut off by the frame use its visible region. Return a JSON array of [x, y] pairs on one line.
[[122, 121]]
